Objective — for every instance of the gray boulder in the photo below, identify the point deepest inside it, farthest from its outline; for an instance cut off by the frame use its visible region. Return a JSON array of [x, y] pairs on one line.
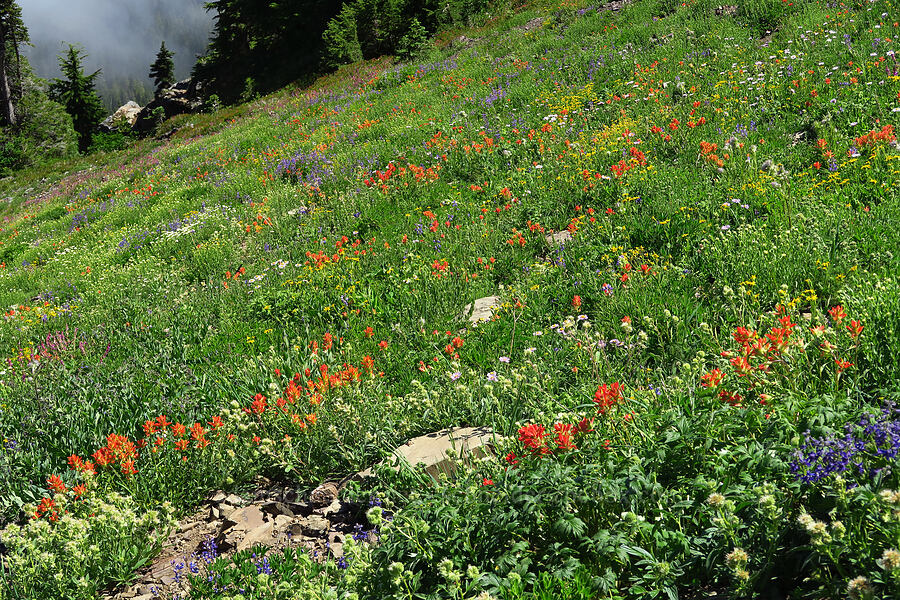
[[182, 98], [126, 114]]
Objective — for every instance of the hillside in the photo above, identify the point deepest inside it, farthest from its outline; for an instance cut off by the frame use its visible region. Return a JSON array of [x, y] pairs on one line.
[[681, 220]]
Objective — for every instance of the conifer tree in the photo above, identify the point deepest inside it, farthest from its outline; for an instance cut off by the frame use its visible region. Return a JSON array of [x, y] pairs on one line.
[[12, 33], [76, 93], [162, 71]]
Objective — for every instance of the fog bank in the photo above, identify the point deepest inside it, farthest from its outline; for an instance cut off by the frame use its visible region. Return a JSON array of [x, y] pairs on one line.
[[121, 37]]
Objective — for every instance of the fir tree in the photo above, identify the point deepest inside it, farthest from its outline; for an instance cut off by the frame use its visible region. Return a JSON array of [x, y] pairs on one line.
[[12, 33], [76, 93], [162, 71]]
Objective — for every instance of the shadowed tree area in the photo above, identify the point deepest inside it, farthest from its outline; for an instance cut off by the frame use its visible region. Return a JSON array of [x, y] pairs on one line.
[[77, 94]]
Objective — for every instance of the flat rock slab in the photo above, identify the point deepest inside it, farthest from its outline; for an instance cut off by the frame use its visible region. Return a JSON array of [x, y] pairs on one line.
[[559, 238], [481, 310], [432, 450], [248, 518]]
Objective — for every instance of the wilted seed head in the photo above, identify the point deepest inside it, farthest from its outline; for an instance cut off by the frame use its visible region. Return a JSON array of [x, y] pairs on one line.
[[716, 499], [473, 573], [890, 560], [736, 559], [860, 588], [742, 574]]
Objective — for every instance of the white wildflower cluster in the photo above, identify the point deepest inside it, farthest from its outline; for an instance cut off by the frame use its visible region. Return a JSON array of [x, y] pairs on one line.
[[725, 518], [737, 560], [61, 559], [820, 532], [890, 560], [768, 505], [860, 588]]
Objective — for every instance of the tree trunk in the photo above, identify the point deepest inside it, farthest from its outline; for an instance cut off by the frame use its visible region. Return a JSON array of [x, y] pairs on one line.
[[18, 67], [6, 101]]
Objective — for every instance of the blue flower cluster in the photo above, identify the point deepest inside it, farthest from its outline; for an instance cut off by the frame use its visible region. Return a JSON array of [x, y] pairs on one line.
[[868, 448]]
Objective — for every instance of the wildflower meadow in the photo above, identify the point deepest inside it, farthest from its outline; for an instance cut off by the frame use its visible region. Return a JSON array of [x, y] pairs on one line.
[[688, 216]]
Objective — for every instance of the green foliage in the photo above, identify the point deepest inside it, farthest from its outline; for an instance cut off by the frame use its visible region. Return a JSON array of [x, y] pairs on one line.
[[371, 28], [95, 540], [110, 141], [761, 15], [44, 131], [286, 574], [76, 93], [162, 71], [690, 251], [414, 42], [340, 39], [274, 43]]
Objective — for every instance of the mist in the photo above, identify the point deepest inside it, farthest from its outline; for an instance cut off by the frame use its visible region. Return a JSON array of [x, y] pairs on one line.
[[121, 37]]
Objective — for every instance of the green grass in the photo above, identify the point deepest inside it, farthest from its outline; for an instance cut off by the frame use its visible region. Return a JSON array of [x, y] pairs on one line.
[[121, 302]]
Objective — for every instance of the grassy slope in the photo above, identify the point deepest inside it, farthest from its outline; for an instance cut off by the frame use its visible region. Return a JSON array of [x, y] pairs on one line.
[[119, 277]]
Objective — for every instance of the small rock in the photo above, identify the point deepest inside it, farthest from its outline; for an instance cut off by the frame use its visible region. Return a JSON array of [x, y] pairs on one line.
[[233, 500], [336, 549], [217, 497], [559, 238], [167, 580], [126, 115], [185, 527], [214, 513], [533, 24], [300, 508], [335, 537], [260, 535], [324, 495], [315, 525], [333, 508], [432, 450], [144, 597], [481, 310], [277, 508], [282, 521], [247, 518]]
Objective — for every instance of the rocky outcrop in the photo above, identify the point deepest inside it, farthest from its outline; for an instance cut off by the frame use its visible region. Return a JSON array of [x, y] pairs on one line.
[[182, 98], [127, 114], [279, 515], [275, 516]]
